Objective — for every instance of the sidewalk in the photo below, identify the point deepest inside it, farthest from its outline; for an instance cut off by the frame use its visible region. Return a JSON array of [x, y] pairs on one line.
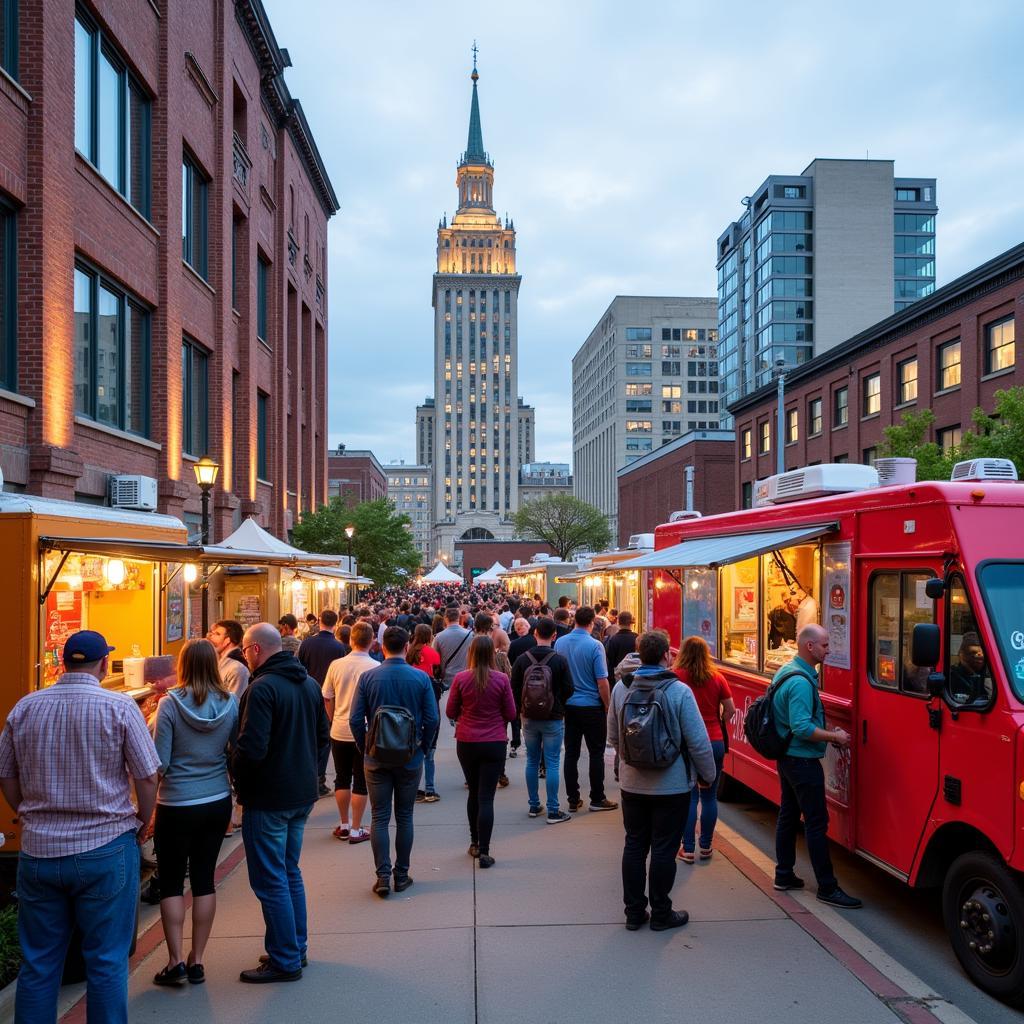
[[538, 937]]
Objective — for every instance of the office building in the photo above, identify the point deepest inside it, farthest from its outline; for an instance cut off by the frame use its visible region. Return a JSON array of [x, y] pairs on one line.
[[409, 490], [355, 475], [542, 479]]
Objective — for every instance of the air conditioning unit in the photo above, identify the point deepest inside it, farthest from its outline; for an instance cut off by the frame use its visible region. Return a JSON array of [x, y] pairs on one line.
[[134, 492], [984, 469], [641, 541], [814, 482], [896, 471]]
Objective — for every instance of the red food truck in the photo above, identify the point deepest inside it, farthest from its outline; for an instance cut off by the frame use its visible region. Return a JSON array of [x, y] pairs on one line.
[[921, 588]]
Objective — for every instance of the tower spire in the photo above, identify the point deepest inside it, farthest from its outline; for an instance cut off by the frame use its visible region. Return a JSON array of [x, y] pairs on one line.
[[475, 152]]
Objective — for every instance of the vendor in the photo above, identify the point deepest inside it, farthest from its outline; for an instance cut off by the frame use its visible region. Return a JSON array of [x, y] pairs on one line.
[[967, 676], [782, 621], [807, 610]]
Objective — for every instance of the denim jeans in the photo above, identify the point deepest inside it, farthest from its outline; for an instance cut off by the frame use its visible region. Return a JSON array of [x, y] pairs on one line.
[[273, 843], [654, 824], [543, 736], [803, 792], [97, 890], [389, 786], [708, 806], [590, 724]]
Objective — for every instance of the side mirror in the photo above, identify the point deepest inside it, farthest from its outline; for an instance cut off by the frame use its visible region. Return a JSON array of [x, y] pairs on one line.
[[924, 643], [935, 588]]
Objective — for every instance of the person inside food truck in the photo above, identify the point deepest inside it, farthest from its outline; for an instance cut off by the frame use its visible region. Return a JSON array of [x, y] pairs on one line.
[[967, 676], [782, 620]]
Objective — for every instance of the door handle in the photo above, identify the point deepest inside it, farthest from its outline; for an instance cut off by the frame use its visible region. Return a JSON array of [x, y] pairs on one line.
[[864, 731]]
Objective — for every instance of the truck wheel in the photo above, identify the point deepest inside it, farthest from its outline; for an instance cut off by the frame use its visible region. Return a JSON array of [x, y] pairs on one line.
[[728, 788], [983, 909]]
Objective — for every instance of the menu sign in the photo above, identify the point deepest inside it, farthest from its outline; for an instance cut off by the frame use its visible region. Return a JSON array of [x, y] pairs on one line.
[[836, 609], [63, 617]]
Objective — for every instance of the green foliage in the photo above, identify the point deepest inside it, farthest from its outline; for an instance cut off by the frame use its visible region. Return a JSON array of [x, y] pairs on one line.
[[566, 523], [381, 544], [908, 440], [10, 949]]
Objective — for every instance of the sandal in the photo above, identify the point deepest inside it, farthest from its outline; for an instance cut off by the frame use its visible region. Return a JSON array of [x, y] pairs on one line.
[[686, 856]]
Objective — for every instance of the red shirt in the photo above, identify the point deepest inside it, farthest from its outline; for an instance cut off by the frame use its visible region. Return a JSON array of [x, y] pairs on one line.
[[428, 659], [709, 698]]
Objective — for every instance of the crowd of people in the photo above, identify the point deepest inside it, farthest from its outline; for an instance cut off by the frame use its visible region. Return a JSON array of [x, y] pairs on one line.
[[244, 738]]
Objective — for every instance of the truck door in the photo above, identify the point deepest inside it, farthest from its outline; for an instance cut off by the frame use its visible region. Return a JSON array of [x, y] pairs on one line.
[[897, 753]]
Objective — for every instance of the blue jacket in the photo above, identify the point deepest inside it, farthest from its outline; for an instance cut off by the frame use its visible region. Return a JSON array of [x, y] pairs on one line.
[[396, 683]]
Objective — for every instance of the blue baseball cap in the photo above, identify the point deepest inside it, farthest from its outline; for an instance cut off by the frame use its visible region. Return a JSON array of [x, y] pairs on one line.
[[85, 647]]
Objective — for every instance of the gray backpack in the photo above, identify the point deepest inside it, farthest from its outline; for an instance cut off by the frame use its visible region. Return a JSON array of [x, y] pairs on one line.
[[647, 736]]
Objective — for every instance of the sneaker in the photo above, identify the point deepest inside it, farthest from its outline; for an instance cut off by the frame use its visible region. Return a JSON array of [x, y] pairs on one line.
[[402, 882], [783, 884], [686, 856], [536, 811], [706, 854], [431, 798], [554, 819], [268, 972], [575, 805], [486, 860], [841, 900], [421, 797], [341, 833], [674, 920], [634, 924], [197, 976], [382, 887], [502, 781], [604, 805], [358, 835]]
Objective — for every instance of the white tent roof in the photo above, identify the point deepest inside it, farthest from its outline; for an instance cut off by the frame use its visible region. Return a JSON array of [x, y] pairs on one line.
[[442, 574], [491, 576], [250, 537]]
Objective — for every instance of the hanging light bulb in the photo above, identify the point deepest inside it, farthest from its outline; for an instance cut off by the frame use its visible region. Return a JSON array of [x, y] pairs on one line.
[[114, 571], [320, 584], [296, 584], [189, 573]]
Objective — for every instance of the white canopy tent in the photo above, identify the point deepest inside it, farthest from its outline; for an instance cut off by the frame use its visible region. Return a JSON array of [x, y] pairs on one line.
[[441, 574], [251, 538], [491, 576]]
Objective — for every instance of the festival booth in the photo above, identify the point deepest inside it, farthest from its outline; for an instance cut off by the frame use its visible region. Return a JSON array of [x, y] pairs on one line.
[[441, 574], [541, 576], [492, 575], [600, 578]]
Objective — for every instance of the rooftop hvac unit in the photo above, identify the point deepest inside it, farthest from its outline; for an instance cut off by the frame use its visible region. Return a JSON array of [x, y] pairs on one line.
[[641, 541], [814, 482], [896, 471], [683, 514], [134, 492], [984, 469]]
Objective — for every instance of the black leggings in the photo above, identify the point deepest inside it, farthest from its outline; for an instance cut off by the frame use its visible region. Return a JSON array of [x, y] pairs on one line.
[[482, 764], [189, 838]]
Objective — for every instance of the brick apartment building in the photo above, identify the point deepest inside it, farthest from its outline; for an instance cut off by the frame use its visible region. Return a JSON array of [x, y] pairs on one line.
[[950, 352], [355, 475], [163, 266]]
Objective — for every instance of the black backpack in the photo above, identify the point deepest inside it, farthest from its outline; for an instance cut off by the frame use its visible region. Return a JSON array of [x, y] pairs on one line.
[[646, 736], [759, 721], [538, 689], [391, 738]]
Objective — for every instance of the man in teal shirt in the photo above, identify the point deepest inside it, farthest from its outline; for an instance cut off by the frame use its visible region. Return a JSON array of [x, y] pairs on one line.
[[800, 715]]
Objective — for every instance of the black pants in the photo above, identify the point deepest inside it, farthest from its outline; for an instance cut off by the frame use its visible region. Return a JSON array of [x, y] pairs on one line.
[[802, 781], [189, 838], [654, 825], [590, 724], [482, 764]]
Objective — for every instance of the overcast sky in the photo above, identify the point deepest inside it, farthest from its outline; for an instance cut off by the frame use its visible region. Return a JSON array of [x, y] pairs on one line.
[[623, 136]]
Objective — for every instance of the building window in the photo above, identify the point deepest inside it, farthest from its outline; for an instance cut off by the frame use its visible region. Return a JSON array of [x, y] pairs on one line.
[[841, 407], [112, 114], [638, 369], [633, 333], [746, 494], [195, 405], [262, 297], [870, 455], [638, 405], [841, 460], [766, 438], [638, 351], [8, 300], [871, 402], [262, 459], [948, 365], [671, 369], [111, 354], [814, 417], [908, 195], [9, 37], [949, 438], [792, 428], [999, 346], [194, 216], [747, 443], [638, 426], [906, 376]]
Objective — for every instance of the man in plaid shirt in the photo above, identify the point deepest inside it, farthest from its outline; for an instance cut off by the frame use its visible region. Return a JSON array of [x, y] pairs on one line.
[[68, 755]]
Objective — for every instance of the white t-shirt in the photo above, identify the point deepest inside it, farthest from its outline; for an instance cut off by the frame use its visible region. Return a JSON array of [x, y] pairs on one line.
[[234, 675], [340, 686]]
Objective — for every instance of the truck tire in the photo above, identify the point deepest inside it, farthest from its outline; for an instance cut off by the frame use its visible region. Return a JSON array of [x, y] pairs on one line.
[[983, 909]]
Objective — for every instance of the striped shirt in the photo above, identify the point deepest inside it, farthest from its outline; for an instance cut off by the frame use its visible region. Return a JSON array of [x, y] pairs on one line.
[[72, 748]]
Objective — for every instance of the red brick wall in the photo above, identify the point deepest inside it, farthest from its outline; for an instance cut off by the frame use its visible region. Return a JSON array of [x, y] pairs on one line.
[[483, 554], [363, 480]]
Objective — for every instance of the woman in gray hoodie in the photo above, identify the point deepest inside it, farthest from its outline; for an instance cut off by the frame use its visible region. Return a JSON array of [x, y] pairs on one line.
[[195, 724]]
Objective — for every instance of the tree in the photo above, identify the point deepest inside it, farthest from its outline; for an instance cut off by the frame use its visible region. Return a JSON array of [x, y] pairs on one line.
[[907, 440], [382, 543], [564, 522]]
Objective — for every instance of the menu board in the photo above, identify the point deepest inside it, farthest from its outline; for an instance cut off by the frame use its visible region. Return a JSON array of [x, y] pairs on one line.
[[174, 608], [836, 604], [63, 617]]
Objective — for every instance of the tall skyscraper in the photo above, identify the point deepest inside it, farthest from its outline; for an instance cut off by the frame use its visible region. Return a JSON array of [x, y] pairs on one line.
[[476, 431], [815, 259]]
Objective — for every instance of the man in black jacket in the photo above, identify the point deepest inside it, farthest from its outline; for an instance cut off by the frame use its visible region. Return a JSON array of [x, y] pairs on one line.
[[283, 734], [623, 642], [316, 653]]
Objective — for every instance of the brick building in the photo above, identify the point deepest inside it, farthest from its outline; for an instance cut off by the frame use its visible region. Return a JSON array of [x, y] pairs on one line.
[[479, 555], [949, 352], [654, 487], [355, 475], [163, 213]]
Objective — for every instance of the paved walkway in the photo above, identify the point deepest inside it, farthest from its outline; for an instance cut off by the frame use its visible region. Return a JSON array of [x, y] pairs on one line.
[[539, 937]]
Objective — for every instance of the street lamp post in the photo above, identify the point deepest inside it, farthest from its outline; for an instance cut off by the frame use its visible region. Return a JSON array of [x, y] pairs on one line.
[[780, 426], [206, 471], [349, 531]]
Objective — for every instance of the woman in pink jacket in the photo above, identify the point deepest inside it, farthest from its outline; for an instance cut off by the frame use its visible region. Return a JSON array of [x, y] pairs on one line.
[[481, 703]]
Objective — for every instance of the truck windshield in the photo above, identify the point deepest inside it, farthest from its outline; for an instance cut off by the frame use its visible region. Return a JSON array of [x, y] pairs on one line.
[[1003, 586]]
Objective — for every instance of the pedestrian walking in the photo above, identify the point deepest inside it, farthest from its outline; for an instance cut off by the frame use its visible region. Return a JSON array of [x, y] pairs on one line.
[[195, 725], [542, 676], [799, 713], [394, 684], [68, 757], [283, 736], [452, 643], [693, 666], [663, 754], [422, 655], [585, 711], [482, 705], [339, 689], [288, 626]]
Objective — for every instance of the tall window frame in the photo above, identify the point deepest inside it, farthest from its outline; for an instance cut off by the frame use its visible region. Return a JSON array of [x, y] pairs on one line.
[[841, 407], [871, 395], [947, 365], [906, 380], [814, 417], [8, 297], [195, 216], [262, 439], [1000, 349], [9, 37], [262, 298], [195, 397]]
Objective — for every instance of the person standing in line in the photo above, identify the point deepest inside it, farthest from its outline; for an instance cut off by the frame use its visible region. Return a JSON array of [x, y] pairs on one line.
[[503, 663], [524, 639], [655, 801], [585, 711], [68, 756], [482, 705], [799, 712], [316, 654], [288, 626], [623, 642], [195, 725], [452, 643], [693, 666], [349, 777], [422, 655], [226, 636], [393, 683], [283, 737]]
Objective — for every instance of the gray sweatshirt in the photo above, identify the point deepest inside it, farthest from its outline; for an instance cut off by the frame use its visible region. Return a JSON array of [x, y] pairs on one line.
[[683, 705], [192, 742]]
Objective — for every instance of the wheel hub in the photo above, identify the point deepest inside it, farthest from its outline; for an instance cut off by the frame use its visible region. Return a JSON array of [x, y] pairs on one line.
[[987, 928]]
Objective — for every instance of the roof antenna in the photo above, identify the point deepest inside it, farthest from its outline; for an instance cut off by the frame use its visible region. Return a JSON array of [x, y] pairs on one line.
[[475, 51]]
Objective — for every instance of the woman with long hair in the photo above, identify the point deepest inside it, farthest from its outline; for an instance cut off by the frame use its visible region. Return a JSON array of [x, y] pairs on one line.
[[481, 703], [422, 655], [437, 623], [195, 724], [693, 665]]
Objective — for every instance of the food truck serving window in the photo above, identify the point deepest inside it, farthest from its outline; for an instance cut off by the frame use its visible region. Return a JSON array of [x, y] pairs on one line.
[[898, 603], [1002, 584]]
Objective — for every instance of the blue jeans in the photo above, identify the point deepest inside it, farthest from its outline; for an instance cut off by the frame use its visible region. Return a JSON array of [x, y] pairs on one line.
[[547, 734], [708, 806], [97, 890], [273, 843], [387, 786]]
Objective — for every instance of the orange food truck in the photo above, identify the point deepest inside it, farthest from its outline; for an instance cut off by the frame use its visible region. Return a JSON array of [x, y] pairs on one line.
[[921, 588]]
